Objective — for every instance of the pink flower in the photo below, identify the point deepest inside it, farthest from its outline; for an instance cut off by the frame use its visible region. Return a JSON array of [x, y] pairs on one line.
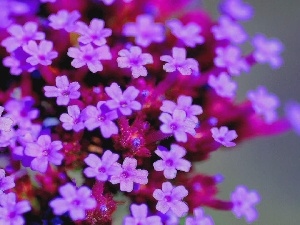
[[90, 56], [134, 59], [178, 61], [127, 175], [223, 85], [170, 198], [224, 136], [40, 54], [64, 91]]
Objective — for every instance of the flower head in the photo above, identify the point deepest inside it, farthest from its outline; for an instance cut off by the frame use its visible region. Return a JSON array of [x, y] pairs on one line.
[[171, 161], [64, 20], [223, 85], [170, 198], [75, 201], [144, 30], [64, 90], [139, 216], [134, 59], [127, 175], [178, 61], [244, 202], [224, 136]]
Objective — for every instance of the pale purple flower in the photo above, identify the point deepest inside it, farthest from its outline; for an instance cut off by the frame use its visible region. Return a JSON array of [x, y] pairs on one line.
[[177, 124], [224, 136], [199, 218], [237, 9], [264, 103], [5, 122], [227, 29], [7, 138], [223, 85], [44, 151], [127, 175], [145, 30], [95, 33], [64, 20], [75, 201], [64, 90], [171, 161], [90, 56], [135, 60], [183, 103], [21, 35], [170, 198], [101, 117], [292, 112], [231, 59], [6, 182], [40, 53], [267, 51], [102, 168], [125, 102], [139, 216], [11, 211], [73, 119], [178, 61], [189, 34], [244, 202], [44, 1]]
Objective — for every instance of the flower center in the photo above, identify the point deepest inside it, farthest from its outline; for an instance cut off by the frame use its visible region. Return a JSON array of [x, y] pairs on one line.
[[102, 169], [123, 104], [101, 117], [168, 198], [65, 92], [169, 163], [45, 152], [173, 126], [125, 174], [76, 202]]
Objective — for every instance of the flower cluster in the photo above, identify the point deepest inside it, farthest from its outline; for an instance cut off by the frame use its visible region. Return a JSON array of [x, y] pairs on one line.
[[101, 98]]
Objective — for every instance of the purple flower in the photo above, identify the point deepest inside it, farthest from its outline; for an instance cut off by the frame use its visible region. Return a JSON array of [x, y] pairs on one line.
[[244, 202], [237, 9], [44, 151], [139, 216], [267, 51], [199, 218], [178, 61], [7, 138], [224, 136], [188, 34], [102, 168], [101, 117], [95, 33], [128, 174], [90, 56], [64, 20], [171, 161], [230, 58], [6, 182], [223, 85], [170, 198], [264, 103], [292, 112], [124, 102], [177, 124], [134, 59], [40, 54], [75, 201], [229, 30], [73, 119], [183, 103], [144, 30], [5, 122], [21, 35], [64, 91], [11, 211], [44, 1]]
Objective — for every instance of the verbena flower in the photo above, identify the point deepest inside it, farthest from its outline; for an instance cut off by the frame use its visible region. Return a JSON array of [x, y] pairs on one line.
[[237, 9], [199, 218], [64, 90], [6, 182], [223, 85], [64, 20], [224, 136], [75, 201], [73, 119], [170, 198], [5, 122]]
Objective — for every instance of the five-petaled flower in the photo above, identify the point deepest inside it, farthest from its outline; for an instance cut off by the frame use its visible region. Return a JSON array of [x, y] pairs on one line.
[[223, 85], [178, 61], [171, 161], [134, 59], [64, 90], [64, 20], [75, 201], [73, 119], [224, 136], [199, 218], [170, 198], [6, 182], [5, 122]]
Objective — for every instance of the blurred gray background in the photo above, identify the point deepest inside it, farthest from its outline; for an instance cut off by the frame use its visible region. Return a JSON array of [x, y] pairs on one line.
[[270, 165]]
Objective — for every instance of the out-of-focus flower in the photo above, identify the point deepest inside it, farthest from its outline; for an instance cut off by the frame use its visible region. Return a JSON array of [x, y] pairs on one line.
[[224, 136]]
